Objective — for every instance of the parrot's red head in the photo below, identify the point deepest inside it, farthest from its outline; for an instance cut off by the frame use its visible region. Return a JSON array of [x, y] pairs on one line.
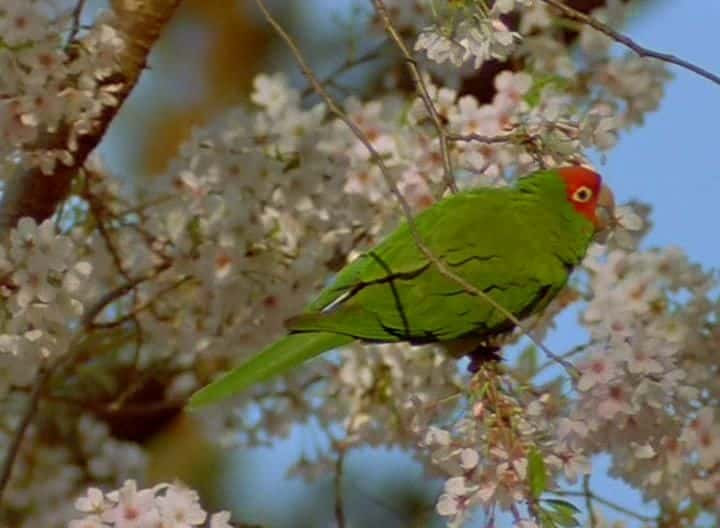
[[586, 193]]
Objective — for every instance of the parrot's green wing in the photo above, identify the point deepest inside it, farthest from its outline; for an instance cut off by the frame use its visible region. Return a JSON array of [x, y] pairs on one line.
[[518, 245], [280, 356], [505, 242]]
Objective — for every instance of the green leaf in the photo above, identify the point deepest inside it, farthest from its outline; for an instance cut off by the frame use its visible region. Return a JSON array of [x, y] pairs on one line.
[[560, 504], [562, 513], [546, 521], [527, 363], [564, 520], [537, 474]]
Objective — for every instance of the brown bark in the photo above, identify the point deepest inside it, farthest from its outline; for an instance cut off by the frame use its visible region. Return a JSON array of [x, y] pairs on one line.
[[29, 192]]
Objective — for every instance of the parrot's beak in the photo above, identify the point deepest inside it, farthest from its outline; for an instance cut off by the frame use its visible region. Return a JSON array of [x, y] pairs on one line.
[[605, 210]]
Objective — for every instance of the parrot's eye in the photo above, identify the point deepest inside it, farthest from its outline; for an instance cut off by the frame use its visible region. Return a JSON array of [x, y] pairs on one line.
[[582, 194]]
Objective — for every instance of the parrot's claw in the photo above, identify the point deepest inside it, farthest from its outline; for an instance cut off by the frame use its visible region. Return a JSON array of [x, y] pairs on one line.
[[481, 355]]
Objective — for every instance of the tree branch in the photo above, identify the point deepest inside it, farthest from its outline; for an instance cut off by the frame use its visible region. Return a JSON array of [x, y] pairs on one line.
[[610, 504], [592, 516], [579, 16], [46, 372], [41, 378], [348, 65], [466, 138], [337, 484], [109, 409], [30, 192], [76, 16], [422, 90]]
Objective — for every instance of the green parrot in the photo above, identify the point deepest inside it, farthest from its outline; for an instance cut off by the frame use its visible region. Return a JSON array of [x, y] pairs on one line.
[[518, 245]]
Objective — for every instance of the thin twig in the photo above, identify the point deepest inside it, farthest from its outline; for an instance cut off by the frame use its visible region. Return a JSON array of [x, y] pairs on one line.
[[141, 207], [579, 16], [140, 307], [44, 374], [589, 502], [108, 409], [574, 351], [337, 111], [76, 16], [40, 379], [339, 503], [97, 209], [422, 91], [109, 297], [610, 504], [348, 65], [380, 163], [501, 138]]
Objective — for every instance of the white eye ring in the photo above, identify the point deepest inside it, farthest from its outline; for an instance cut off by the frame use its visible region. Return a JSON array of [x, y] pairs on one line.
[[582, 194]]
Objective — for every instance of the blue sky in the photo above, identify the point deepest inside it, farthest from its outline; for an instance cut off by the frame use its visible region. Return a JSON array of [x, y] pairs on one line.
[[671, 162]]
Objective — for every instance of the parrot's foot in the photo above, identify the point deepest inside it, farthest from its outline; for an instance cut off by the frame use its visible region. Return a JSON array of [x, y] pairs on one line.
[[481, 355]]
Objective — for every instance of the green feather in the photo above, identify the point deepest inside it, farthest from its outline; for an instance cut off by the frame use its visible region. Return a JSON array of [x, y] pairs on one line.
[[518, 245], [280, 356]]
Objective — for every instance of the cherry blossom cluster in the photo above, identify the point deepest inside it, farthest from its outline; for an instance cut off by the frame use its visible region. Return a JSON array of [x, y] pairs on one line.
[[460, 32], [64, 453], [644, 396], [48, 83], [487, 453], [162, 506], [42, 293]]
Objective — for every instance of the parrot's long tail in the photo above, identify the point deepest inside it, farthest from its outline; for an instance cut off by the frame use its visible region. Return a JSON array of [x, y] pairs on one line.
[[277, 358]]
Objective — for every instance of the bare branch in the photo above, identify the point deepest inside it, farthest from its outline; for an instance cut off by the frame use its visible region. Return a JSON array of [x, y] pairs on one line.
[[339, 503], [88, 320], [76, 16], [98, 209], [422, 91], [30, 192], [610, 504], [110, 409], [132, 315], [348, 65], [579, 16], [41, 378], [46, 372], [589, 502], [380, 163], [503, 138]]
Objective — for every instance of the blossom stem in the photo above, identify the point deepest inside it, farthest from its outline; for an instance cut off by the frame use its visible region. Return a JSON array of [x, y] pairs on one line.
[[574, 14], [76, 16], [41, 378], [589, 502], [339, 503], [422, 91], [610, 504], [348, 65], [45, 372], [502, 138]]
